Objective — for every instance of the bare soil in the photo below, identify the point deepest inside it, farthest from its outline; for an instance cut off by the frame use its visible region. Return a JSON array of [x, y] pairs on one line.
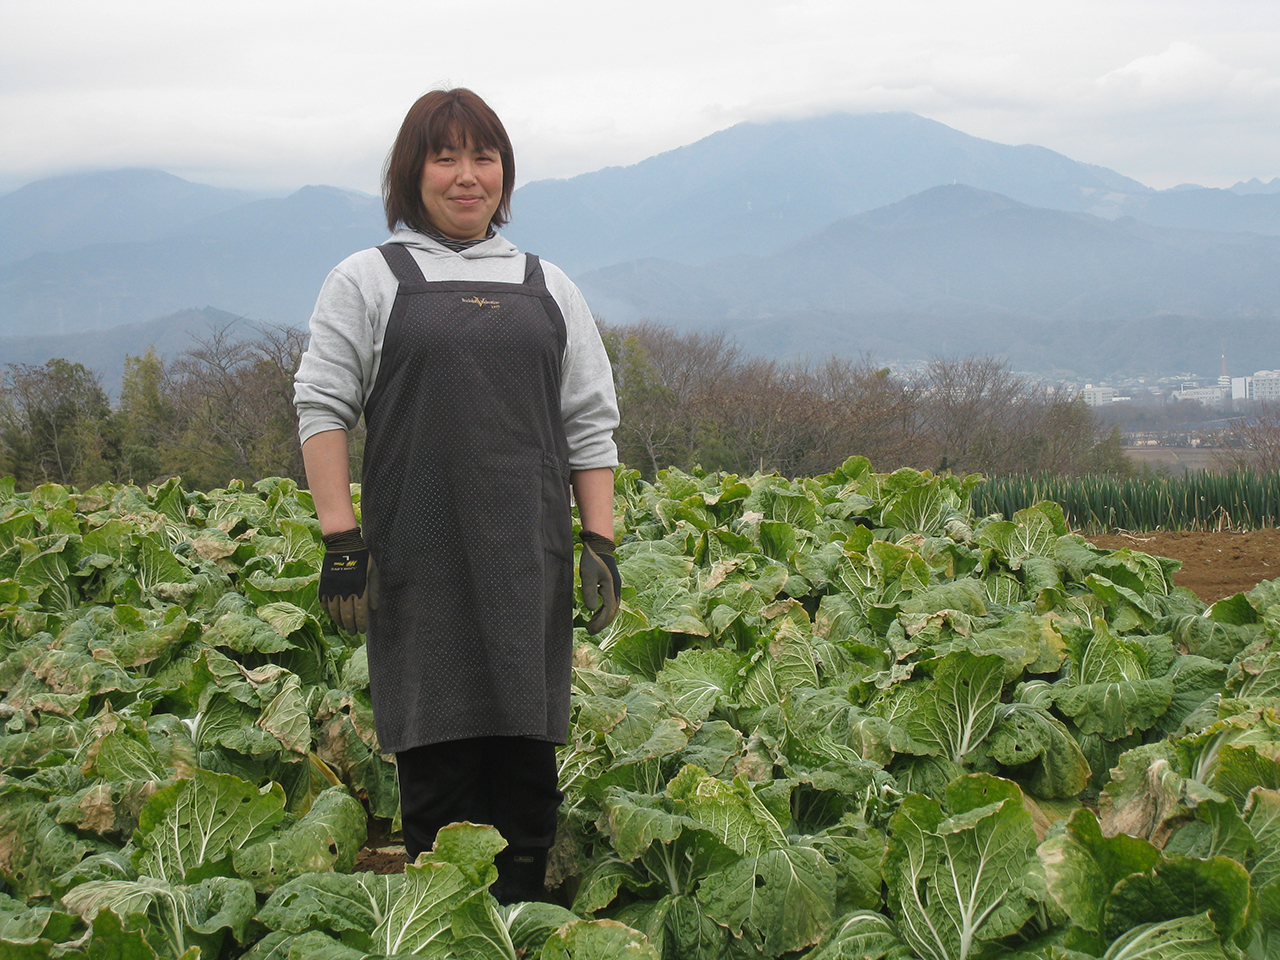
[[381, 853], [1214, 565]]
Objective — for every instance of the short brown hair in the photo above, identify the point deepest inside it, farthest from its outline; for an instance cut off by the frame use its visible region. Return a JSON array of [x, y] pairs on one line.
[[438, 120]]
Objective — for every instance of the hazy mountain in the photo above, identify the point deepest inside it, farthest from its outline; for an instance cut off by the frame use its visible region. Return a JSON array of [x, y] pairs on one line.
[[1206, 208], [955, 251], [264, 259], [841, 230], [757, 187], [1257, 186], [1069, 349], [115, 206], [104, 351]]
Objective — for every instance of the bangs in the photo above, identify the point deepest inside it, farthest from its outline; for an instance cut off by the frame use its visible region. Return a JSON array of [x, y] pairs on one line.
[[461, 130]]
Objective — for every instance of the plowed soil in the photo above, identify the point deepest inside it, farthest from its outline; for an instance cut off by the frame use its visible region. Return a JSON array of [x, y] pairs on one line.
[[1214, 565], [381, 853]]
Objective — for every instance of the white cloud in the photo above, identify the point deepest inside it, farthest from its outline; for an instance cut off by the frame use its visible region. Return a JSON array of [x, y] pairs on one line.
[[282, 92], [1182, 75]]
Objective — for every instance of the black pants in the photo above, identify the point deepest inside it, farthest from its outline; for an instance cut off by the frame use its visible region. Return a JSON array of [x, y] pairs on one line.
[[509, 782]]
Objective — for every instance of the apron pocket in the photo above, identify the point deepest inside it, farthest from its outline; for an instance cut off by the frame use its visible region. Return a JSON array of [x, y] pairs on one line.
[[557, 516]]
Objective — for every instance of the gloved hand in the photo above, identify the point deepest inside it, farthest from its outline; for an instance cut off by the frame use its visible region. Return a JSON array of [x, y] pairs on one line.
[[601, 584], [344, 580]]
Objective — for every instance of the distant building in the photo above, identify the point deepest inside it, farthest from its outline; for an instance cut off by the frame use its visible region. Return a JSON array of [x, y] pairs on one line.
[[1242, 388], [1266, 386], [1098, 396], [1209, 396]]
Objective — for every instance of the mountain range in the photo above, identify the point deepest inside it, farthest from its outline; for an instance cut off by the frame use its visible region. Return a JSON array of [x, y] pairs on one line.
[[263, 258], [808, 236], [115, 206], [104, 351], [755, 188], [955, 251]]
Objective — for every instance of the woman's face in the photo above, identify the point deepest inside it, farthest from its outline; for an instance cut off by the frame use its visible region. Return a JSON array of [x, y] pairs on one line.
[[461, 190]]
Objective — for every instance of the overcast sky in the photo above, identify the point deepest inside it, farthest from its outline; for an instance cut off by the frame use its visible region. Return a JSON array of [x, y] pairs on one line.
[[275, 94]]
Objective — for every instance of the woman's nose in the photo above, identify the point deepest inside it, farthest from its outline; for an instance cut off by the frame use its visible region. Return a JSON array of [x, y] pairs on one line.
[[466, 172]]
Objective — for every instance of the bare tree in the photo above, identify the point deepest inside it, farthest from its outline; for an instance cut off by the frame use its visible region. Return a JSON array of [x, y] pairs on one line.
[[664, 380], [280, 350], [694, 399], [233, 407], [763, 417], [1251, 443], [689, 365], [869, 412], [978, 416], [224, 409]]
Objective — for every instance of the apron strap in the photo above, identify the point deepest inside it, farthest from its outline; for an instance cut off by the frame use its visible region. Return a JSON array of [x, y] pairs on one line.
[[406, 269], [401, 262], [533, 271]]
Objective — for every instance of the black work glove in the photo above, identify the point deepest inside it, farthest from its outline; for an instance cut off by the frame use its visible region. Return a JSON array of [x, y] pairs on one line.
[[601, 584], [344, 580]]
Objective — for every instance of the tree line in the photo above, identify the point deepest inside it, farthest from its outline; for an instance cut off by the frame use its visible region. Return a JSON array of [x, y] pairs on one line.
[[223, 410], [694, 399], [1250, 442]]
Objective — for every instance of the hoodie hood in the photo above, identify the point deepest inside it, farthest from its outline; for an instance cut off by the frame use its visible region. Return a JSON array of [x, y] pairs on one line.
[[495, 246]]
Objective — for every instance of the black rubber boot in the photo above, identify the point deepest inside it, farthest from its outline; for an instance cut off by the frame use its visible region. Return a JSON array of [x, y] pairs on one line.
[[522, 875]]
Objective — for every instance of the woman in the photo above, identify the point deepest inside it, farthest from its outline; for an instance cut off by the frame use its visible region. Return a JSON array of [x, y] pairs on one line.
[[487, 396]]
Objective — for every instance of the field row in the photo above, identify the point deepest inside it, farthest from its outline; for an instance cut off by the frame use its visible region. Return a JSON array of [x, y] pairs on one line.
[[1198, 501]]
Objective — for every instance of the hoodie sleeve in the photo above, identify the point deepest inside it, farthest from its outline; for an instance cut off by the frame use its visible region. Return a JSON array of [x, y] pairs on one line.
[[587, 402], [338, 368]]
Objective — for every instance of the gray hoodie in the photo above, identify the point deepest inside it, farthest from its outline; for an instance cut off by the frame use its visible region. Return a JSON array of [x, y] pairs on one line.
[[340, 367]]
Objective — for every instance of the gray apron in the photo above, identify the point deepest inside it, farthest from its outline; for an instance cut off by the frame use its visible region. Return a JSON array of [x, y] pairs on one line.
[[465, 506]]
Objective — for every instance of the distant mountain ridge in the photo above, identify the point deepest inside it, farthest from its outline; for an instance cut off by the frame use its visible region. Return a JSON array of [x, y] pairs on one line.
[[957, 251], [265, 259], [754, 188], [1206, 208], [815, 225], [104, 351], [1063, 349], [1255, 185], [114, 206]]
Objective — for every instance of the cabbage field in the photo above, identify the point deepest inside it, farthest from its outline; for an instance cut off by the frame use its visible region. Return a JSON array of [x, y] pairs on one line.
[[838, 718]]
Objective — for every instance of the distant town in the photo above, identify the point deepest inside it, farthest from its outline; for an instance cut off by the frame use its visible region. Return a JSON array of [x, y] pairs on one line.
[[1182, 421], [1225, 393], [1179, 422]]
